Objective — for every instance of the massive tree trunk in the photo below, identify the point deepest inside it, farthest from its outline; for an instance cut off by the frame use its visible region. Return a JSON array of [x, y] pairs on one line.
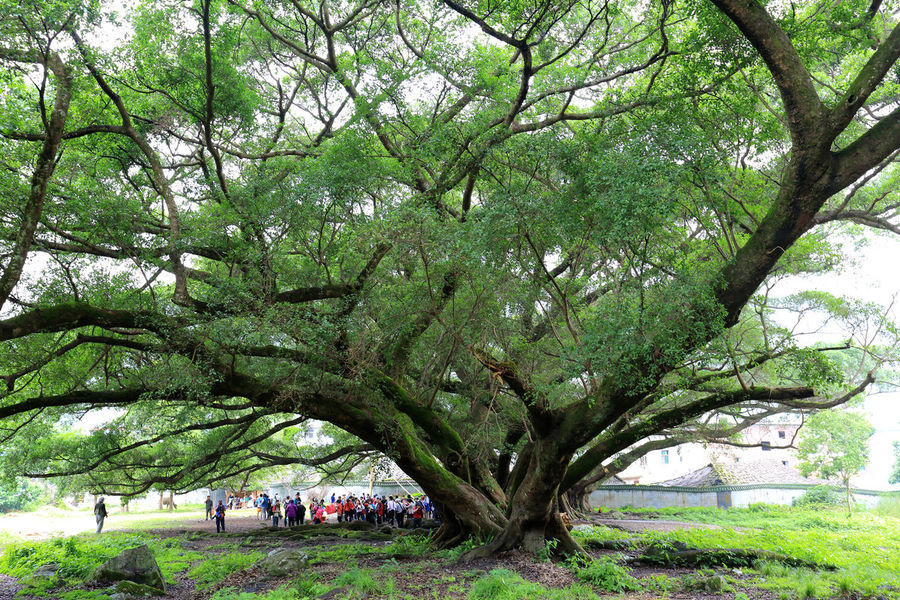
[[534, 517]]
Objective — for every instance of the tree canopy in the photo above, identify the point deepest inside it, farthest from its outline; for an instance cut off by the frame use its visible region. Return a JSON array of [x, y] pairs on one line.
[[498, 242]]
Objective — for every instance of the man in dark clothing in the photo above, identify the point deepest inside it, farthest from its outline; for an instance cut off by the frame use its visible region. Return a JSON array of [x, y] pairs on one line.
[[209, 504], [100, 513]]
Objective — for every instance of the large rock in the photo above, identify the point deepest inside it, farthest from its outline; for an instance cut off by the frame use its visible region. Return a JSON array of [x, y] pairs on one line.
[[134, 564], [284, 561]]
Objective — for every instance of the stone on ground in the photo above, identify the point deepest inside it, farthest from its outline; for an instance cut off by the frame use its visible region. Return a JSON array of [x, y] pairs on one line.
[[134, 564], [284, 561]]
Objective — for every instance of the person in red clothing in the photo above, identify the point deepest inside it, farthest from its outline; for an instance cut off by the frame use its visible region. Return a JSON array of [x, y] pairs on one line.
[[339, 509], [418, 512], [348, 509]]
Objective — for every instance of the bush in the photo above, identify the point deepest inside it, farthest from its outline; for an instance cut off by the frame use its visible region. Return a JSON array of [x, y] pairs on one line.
[[19, 494], [819, 495], [888, 506], [604, 573]]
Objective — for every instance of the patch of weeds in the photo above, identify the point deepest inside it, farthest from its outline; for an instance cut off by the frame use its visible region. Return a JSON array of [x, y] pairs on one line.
[[661, 584], [40, 587], [502, 584], [600, 532], [76, 556], [603, 573], [281, 593], [215, 569], [309, 586], [470, 543], [548, 550], [172, 558], [83, 595], [224, 546], [409, 546], [812, 585], [362, 582], [342, 553]]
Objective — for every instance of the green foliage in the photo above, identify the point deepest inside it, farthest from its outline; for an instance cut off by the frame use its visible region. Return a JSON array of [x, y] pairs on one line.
[[369, 193], [834, 444], [213, 570], [818, 495], [888, 506], [76, 556], [502, 584], [17, 494], [894, 477], [603, 573], [862, 550], [286, 592], [361, 581], [409, 546]]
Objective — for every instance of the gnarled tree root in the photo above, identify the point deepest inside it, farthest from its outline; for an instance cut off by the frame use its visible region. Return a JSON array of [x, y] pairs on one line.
[[720, 557]]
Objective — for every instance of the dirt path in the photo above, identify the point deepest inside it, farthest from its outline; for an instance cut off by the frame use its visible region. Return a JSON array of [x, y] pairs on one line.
[[642, 525]]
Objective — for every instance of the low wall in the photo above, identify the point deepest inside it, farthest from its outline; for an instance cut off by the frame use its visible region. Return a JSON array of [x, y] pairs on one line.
[[658, 496]]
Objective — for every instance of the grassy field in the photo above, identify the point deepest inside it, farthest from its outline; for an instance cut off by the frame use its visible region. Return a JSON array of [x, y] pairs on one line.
[[841, 557]]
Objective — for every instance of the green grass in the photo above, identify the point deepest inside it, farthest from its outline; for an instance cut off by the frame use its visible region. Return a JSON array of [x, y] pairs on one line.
[[215, 569], [863, 548], [502, 584]]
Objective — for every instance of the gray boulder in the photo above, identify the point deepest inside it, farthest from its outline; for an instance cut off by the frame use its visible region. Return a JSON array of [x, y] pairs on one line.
[[48, 570], [284, 561], [133, 564]]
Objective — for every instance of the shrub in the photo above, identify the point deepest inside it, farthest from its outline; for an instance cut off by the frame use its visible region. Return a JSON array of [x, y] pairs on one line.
[[603, 573], [818, 495], [888, 506], [19, 494]]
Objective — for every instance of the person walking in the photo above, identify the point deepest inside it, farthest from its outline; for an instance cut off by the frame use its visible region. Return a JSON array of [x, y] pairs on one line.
[[209, 510], [220, 517], [100, 513]]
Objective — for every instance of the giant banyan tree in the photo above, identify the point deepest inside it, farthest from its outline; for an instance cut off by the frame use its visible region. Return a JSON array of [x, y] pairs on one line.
[[504, 244]]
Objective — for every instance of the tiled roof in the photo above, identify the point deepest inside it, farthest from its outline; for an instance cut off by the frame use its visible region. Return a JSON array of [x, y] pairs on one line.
[[742, 473]]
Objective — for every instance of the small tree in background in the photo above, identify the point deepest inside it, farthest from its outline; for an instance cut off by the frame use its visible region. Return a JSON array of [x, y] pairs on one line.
[[895, 472], [834, 445]]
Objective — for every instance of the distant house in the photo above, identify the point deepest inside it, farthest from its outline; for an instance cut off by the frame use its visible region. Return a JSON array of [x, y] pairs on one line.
[[755, 472], [761, 441], [720, 484]]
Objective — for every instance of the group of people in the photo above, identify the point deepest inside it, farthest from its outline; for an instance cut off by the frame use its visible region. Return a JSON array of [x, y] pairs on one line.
[[372, 508], [378, 509]]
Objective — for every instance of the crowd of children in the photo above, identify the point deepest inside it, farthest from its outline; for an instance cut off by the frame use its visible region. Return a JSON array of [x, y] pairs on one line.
[[375, 509]]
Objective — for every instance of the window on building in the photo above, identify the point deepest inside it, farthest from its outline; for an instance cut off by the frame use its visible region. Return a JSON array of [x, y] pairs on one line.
[[644, 461], [665, 457], [781, 435], [766, 446]]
